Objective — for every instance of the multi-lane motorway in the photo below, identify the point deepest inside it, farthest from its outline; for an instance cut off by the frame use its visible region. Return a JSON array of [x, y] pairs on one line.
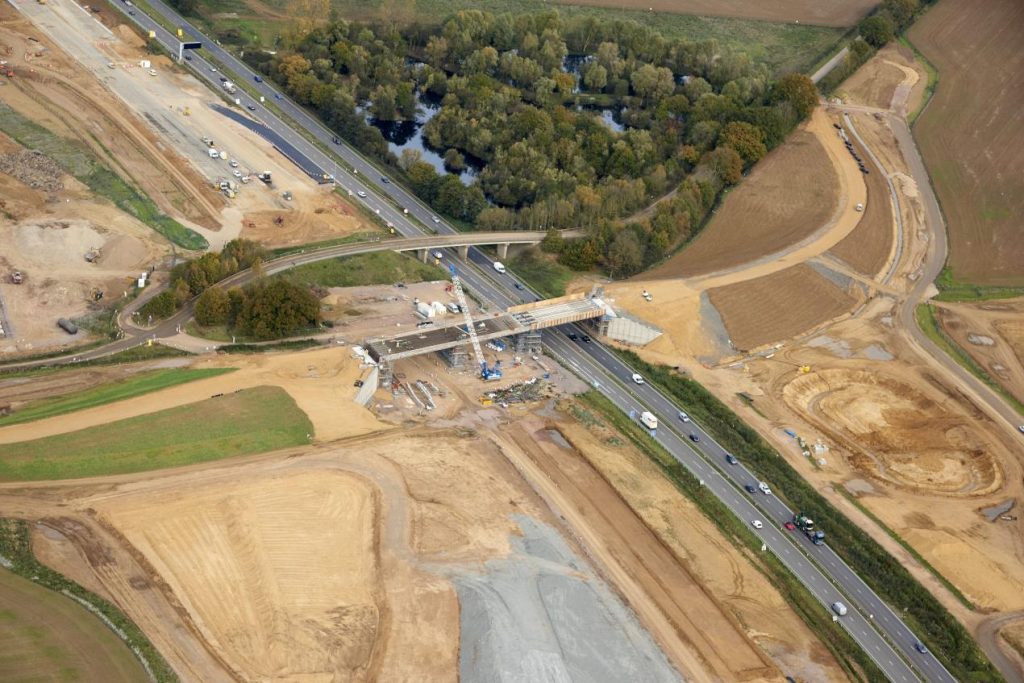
[[874, 626]]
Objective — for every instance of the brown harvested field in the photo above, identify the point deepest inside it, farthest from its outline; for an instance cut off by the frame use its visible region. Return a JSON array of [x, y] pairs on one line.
[[778, 306], [970, 133], [992, 333], [868, 247], [790, 194], [48, 637], [828, 13]]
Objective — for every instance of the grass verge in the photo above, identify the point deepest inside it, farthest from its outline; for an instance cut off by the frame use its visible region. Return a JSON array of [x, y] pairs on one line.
[[336, 242], [291, 345], [909, 548], [933, 80], [376, 268], [952, 290], [545, 275], [117, 391], [937, 628], [846, 651], [925, 316], [16, 549], [135, 354], [79, 161], [245, 422]]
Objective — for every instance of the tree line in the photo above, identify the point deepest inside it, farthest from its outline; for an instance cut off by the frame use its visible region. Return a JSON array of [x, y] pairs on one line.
[[265, 309], [695, 116]]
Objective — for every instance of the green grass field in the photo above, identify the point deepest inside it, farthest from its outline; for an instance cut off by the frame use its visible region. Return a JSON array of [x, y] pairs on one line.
[[48, 637], [378, 268], [783, 46], [108, 393], [546, 275], [251, 421]]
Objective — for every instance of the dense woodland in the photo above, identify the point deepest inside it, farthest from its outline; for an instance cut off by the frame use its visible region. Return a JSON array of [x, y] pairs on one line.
[[694, 116]]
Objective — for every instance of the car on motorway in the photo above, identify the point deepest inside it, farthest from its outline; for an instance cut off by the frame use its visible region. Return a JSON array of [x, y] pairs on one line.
[[438, 255], [251, 107], [683, 416], [839, 608], [750, 488], [919, 646], [789, 526], [384, 179], [223, 79], [435, 219], [518, 285], [764, 488], [637, 379], [213, 69], [756, 523], [257, 79], [585, 338], [188, 58], [694, 437], [361, 194], [277, 97], [131, 13], [573, 336], [731, 459]]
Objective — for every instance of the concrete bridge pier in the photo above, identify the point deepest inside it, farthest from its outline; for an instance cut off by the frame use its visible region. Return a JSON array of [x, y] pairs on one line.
[[464, 253], [503, 251], [424, 254]]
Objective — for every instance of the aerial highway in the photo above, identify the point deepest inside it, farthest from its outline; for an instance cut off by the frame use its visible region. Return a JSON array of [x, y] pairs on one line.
[[874, 626]]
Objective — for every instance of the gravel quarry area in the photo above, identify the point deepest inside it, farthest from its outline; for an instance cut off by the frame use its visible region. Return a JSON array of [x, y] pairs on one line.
[[541, 614]]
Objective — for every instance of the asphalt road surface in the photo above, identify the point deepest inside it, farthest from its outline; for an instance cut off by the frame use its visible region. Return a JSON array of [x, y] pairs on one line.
[[818, 567]]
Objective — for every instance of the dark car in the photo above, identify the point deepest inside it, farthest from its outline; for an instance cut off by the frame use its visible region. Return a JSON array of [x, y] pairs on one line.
[[519, 285], [257, 79], [251, 107], [586, 338], [384, 180], [694, 437], [919, 646], [277, 97], [131, 13], [188, 58], [573, 336], [223, 79], [731, 459], [336, 140], [750, 488]]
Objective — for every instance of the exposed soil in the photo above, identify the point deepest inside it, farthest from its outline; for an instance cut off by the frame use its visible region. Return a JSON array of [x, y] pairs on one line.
[[891, 79], [992, 333], [790, 194], [778, 306]]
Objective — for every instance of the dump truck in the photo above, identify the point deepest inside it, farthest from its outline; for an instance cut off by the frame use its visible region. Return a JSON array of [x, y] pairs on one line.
[[648, 420]]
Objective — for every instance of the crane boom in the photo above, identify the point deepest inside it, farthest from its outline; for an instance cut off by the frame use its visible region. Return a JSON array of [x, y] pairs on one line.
[[470, 329]]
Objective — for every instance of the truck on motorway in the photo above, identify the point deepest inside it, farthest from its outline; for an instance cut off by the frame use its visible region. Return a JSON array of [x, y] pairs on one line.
[[649, 420], [806, 525], [230, 87]]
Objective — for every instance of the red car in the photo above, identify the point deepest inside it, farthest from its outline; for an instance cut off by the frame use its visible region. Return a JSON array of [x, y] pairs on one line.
[[789, 526]]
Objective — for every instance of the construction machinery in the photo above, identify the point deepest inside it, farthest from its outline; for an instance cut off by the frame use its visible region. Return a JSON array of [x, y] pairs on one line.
[[478, 353], [17, 278]]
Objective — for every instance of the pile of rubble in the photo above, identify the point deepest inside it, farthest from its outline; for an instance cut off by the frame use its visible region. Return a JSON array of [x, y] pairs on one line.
[[523, 392], [35, 169]]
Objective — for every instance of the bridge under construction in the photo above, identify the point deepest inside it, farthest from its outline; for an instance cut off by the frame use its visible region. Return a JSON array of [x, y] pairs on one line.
[[522, 323]]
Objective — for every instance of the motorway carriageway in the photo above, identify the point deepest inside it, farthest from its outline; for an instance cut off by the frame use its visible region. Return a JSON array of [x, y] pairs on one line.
[[605, 371]]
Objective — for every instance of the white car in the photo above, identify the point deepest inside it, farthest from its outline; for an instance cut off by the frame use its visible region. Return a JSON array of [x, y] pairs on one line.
[[764, 488], [756, 523], [435, 219], [1021, 429], [237, 174], [637, 379], [438, 255], [361, 194], [233, 163], [683, 416]]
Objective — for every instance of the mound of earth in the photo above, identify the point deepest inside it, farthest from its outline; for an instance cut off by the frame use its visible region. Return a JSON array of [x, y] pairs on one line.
[[896, 432]]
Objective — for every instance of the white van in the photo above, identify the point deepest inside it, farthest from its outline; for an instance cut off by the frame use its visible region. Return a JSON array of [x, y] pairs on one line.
[[637, 379], [839, 608], [500, 267]]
